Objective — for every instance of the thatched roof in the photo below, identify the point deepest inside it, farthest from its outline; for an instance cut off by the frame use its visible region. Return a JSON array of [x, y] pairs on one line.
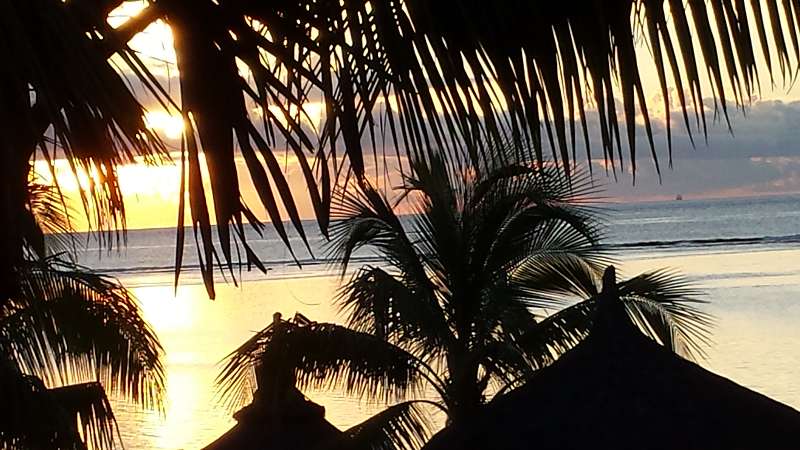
[[293, 422], [620, 390], [280, 417]]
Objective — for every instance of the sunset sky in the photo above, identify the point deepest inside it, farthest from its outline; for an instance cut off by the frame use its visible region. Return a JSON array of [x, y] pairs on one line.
[[762, 158]]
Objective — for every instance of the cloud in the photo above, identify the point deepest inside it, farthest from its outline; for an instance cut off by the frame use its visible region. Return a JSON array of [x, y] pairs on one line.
[[759, 154], [712, 177], [766, 129]]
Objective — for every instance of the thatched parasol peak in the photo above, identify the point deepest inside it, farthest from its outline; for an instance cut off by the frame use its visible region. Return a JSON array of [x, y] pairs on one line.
[[619, 389]]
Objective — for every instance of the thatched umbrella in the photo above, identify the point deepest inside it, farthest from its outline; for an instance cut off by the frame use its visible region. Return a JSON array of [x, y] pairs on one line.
[[293, 423], [279, 418], [620, 390]]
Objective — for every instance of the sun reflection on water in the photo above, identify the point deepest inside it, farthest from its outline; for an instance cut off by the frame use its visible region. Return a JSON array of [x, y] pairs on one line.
[[197, 334], [752, 295]]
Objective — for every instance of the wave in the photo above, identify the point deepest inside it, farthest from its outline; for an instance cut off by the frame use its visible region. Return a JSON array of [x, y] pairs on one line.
[[711, 242], [282, 265], [268, 264]]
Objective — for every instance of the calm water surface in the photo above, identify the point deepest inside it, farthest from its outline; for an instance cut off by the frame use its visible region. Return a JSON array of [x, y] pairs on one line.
[[745, 253]]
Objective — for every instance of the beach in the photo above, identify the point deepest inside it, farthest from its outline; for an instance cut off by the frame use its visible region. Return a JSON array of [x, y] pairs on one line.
[[751, 277]]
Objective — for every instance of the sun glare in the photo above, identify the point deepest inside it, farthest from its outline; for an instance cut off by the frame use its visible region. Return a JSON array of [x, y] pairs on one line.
[[151, 192], [154, 43], [167, 124]]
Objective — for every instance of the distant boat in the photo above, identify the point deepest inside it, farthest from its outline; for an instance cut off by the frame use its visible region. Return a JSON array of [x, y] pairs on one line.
[[679, 197]]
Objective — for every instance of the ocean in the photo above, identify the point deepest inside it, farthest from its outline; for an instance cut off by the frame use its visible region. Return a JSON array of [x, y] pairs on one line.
[[744, 253]]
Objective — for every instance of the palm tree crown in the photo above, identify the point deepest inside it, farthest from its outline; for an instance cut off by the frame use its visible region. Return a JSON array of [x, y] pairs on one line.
[[458, 305], [466, 269], [63, 324]]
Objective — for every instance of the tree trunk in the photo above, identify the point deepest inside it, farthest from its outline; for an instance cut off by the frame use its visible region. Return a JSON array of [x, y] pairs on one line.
[[466, 396], [17, 144], [13, 198]]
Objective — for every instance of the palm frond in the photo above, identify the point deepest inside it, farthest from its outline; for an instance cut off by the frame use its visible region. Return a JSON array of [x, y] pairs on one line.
[[515, 343], [532, 70], [438, 220], [664, 304], [328, 355], [556, 334], [31, 418], [76, 103], [509, 214], [322, 355], [379, 304], [553, 278], [401, 426], [89, 403], [540, 192], [35, 417], [49, 228], [364, 218], [70, 325], [237, 381], [505, 363]]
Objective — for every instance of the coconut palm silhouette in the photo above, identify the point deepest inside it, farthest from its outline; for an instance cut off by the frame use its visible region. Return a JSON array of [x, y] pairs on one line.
[[67, 335], [456, 307]]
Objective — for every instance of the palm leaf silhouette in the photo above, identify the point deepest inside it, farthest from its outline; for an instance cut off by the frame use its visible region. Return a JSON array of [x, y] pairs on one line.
[[403, 425], [61, 326], [461, 305], [452, 79]]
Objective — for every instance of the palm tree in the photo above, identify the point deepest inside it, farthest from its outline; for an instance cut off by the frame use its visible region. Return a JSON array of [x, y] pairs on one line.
[[452, 76], [458, 305], [63, 324]]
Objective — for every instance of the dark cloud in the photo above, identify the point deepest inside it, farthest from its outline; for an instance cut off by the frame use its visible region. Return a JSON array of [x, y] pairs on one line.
[[766, 129], [759, 154], [718, 177]]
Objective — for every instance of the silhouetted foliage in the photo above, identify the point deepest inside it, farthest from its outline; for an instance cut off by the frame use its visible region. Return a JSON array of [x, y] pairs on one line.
[[64, 324], [618, 389], [459, 306], [397, 78]]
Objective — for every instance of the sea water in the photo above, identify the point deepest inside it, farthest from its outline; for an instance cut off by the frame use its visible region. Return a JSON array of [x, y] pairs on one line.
[[744, 253]]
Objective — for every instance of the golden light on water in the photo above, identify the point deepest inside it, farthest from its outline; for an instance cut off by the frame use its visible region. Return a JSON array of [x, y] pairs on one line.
[[190, 366], [183, 403], [197, 334], [166, 310]]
